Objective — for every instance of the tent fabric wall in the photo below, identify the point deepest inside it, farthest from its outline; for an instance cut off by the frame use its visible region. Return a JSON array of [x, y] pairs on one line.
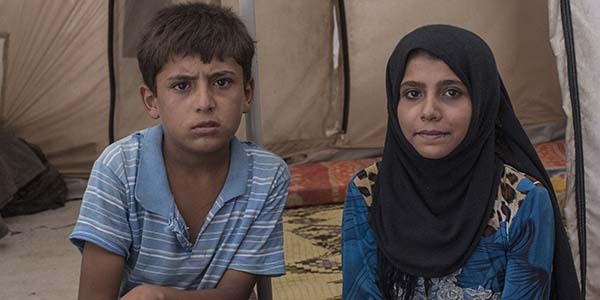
[[517, 32], [585, 16], [55, 83], [130, 16], [297, 80]]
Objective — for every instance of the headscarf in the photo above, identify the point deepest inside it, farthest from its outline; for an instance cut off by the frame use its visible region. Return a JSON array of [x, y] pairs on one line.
[[428, 215]]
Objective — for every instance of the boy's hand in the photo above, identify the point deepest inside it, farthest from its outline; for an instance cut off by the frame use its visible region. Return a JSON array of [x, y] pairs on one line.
[[234, 285], [147, 292]]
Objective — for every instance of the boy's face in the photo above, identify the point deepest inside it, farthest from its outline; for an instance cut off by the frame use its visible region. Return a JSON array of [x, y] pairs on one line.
[[200, 105]]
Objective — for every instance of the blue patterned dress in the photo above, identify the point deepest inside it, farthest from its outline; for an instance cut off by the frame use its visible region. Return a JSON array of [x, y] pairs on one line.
[[512, 261]]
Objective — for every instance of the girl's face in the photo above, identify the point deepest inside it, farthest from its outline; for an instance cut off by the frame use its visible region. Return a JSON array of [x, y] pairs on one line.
[[434, 110]]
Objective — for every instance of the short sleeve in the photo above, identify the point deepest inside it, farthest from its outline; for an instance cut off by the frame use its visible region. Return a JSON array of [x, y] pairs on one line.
[[103, 216], [261, 251]]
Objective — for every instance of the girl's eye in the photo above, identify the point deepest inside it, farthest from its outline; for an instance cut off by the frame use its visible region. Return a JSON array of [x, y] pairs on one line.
[[222, 82], [411, 94], [453, 93]]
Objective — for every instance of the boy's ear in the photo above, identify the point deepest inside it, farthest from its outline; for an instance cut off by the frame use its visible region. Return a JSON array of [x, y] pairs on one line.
[[248, 93], [149, 100]]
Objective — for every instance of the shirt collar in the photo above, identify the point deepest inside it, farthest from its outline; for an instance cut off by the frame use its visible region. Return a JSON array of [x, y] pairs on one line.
[[152, 186]]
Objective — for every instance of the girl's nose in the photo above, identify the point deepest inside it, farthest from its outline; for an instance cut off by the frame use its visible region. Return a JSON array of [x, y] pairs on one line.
[[431, 111]]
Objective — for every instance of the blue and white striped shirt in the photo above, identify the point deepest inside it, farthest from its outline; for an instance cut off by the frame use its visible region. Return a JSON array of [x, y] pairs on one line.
[[128, 209]]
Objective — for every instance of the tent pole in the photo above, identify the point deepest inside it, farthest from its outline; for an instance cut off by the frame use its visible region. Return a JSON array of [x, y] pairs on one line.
[[253, 119], [346, 63], [111, 71], [567, 26]]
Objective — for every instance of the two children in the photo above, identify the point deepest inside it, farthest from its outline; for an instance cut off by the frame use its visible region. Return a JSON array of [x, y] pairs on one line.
[[184, 210]]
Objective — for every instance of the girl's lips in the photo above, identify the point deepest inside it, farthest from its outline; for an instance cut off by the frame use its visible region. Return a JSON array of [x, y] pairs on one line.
[[431, 133]]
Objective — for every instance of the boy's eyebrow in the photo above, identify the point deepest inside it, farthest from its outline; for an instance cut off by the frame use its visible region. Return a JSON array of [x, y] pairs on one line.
[[182, 77], [195, 77], [222, 72]]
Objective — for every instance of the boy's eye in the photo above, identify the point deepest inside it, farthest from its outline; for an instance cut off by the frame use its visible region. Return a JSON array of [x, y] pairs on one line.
[[222, 82], [181, 86]]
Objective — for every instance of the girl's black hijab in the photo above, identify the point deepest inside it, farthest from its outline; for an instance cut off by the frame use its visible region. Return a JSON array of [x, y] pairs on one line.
[[429, 214]]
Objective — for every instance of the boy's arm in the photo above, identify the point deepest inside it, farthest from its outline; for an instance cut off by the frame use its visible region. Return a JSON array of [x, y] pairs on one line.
[[102, 231], [234, 285], [101, 273]]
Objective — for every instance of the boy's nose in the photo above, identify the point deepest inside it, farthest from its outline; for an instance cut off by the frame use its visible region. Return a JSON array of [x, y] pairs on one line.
[[203, 100]]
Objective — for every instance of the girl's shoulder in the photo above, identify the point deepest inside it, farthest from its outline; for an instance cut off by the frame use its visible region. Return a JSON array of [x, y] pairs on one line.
[[513, 190], [365, 179], [518, 180]]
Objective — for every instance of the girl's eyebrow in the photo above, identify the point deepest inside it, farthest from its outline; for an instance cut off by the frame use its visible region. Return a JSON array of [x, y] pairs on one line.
[[450, 82], [411, 84]]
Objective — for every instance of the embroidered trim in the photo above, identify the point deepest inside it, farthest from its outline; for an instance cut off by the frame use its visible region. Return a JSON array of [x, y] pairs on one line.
[[507, 203], [509, 198]]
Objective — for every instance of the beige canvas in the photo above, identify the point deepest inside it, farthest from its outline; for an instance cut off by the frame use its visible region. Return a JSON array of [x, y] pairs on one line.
[[585, 23], [55, 81], [57, 88], [517, 31], [294, 54]]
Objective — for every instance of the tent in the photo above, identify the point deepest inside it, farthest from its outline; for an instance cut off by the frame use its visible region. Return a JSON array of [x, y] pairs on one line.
[[69, 79], [574, 40]]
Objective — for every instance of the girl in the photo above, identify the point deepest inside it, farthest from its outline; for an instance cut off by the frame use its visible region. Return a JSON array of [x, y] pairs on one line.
[[460, 207]]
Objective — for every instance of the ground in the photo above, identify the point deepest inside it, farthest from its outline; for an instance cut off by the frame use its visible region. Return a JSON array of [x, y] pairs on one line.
[[37, 261]]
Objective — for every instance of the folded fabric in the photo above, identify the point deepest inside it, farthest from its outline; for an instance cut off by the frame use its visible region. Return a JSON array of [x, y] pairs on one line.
[[18, 166], [28, 183]]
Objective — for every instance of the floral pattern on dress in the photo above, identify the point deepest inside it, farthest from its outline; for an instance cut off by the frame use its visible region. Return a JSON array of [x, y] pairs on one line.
[[446, 288]]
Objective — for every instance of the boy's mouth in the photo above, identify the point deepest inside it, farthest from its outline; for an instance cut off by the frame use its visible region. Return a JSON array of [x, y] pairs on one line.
[[206, 127]]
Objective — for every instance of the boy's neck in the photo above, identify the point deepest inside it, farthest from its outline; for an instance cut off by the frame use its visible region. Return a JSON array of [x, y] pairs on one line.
[[196, 164]]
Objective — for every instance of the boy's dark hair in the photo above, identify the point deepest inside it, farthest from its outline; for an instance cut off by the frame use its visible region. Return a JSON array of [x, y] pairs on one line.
[[196, 29]]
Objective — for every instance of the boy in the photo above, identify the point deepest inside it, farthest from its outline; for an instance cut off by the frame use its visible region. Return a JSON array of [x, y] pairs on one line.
[[184, 210]]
